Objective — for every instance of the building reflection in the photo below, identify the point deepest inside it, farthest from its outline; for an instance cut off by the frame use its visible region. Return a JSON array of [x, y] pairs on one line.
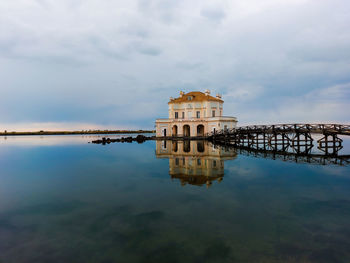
[[194, 162]]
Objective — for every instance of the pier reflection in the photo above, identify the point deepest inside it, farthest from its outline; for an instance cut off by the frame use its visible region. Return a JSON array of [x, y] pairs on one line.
[[194, 162]]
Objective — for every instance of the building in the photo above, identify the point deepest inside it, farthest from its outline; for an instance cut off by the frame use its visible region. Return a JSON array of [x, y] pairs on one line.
[[194, 114], [194, 162]]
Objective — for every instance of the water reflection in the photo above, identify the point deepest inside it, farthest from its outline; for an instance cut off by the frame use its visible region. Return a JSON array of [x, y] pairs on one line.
[[88, 203], [194, 162], [55, 140]]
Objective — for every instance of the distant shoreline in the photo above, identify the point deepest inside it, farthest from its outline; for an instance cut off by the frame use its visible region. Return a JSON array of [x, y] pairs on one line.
[[14, 133]]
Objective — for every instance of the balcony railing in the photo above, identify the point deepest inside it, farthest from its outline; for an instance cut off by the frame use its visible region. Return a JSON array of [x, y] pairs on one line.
[[218, 118]]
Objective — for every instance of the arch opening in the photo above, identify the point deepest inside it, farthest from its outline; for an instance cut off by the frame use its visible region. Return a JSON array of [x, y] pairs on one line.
[[186, 130], [175, 146], [200, 130], [187, 146], [200, 146], [174, 130]]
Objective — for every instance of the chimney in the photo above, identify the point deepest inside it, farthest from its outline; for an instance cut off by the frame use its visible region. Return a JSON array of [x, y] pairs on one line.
[[207, 92], [218, 96], [171, 98], [181, 94]]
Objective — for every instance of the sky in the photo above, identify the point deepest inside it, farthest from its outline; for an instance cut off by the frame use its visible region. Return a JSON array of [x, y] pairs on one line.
[[88, 64]]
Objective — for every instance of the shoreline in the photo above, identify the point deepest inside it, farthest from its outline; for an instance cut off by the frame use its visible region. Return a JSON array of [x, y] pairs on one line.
[[96, 132]]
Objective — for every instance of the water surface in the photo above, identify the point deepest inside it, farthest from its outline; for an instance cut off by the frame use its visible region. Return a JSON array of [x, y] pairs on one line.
[[65, 200]]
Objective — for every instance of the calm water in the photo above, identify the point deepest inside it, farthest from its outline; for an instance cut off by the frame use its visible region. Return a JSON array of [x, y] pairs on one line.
[[64, 200]]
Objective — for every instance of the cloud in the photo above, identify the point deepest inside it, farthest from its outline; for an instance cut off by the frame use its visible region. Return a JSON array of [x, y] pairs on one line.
[[215, 14], [147, 49], [113, 62], [57, 126], [327, 105], [244, 92], [324, 105]]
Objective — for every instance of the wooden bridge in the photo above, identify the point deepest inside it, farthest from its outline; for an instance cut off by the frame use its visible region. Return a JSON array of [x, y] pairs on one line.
[[283, 137], [320, 159]]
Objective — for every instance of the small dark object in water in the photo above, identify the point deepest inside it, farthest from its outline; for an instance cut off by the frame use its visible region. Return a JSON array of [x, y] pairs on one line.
[[126, 139], [141, 138], [138, 138]]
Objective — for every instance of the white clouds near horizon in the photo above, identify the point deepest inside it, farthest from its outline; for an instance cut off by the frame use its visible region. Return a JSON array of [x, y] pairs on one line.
[[116, 63]]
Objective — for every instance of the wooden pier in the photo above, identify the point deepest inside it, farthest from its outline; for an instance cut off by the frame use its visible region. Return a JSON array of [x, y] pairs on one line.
[[284, 137], [311, 158]]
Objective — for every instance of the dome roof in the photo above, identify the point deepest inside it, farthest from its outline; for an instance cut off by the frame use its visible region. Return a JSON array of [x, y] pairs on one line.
[[194, 96]]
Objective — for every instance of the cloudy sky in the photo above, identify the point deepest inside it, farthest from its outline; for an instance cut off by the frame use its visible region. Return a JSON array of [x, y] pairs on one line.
[[80, 64]]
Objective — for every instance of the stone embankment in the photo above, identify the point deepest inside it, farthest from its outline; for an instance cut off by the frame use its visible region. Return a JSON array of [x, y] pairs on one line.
[[138, 139]]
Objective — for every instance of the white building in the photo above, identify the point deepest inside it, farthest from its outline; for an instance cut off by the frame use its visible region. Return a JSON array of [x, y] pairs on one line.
[[194, 114], [194, 162]]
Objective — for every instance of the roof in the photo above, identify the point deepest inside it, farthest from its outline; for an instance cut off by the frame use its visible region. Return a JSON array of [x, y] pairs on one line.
[[196, 180], [196, 96]]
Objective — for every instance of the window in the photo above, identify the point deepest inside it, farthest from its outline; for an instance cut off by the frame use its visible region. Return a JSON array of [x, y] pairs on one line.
[[198, 114], [189, 114], [199, 162], [189, 98], [164, 145], [176, 115], [213, 113], [183, 115]]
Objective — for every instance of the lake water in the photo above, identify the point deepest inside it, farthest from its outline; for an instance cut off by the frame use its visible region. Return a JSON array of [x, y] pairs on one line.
[[65, 200]]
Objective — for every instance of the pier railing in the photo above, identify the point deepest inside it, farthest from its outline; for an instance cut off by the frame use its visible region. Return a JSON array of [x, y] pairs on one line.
[[340, 129], [283, 136]]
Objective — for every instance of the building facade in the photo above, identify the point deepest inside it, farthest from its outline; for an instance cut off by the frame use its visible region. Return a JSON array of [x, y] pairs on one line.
[[194, 114], [194, 162]]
